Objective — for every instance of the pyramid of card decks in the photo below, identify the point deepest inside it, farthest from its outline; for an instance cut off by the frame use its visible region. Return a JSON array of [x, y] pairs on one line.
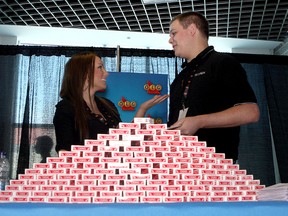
[[140, 162]]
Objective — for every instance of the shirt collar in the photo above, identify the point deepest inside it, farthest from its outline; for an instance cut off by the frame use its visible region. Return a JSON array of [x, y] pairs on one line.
[[199, 57]]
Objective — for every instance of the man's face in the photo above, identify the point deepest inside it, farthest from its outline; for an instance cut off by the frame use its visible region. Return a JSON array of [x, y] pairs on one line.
[[179, 38]]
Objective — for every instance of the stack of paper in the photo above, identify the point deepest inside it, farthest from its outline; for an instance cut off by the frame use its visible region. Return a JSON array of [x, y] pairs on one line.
[[274, 192]]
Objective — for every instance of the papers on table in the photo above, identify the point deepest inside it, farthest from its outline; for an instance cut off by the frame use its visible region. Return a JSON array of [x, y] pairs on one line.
[[274, 192]]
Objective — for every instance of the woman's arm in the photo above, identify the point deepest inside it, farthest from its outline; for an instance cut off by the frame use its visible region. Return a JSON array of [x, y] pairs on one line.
[[64, 125], [144, 107]]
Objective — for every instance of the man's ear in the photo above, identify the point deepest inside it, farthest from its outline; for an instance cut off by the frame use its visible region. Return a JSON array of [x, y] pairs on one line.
[[192, 29]]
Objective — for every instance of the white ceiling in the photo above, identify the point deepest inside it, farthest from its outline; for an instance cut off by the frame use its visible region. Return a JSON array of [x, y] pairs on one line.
[[245, 19], [55, 36], [242, 26]]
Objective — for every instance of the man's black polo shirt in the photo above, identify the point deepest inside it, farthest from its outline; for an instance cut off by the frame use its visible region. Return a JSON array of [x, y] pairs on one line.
[[216, 82]]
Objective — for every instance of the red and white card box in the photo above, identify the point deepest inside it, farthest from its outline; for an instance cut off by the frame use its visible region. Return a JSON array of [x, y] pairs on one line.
[[141, 162]]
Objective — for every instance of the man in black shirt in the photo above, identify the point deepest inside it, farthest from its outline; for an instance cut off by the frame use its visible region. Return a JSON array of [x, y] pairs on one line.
[[211, 97]]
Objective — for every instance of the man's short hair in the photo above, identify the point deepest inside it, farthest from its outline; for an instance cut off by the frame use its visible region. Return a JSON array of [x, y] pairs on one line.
[[186, 19]]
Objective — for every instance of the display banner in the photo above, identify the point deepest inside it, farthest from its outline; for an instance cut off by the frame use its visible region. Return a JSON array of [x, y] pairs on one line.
[[128, 90]]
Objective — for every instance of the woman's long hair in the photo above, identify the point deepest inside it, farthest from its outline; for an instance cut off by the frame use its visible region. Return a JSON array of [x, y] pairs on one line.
[[77, 69]]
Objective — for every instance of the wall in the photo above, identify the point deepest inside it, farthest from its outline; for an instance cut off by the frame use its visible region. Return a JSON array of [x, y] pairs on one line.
[[8, 40], [51, 36]]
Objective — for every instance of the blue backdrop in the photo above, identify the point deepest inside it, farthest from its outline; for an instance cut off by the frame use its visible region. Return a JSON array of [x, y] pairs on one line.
[[128, 90]]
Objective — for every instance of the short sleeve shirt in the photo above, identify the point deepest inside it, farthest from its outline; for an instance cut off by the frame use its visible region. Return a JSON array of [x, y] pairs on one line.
[[215, 81]]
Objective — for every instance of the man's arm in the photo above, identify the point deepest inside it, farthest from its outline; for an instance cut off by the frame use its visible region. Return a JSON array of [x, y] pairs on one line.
[[235, 116]]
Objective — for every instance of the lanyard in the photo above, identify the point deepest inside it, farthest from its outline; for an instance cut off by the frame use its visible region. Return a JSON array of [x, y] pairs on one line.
[[192, 68], [185, 88]]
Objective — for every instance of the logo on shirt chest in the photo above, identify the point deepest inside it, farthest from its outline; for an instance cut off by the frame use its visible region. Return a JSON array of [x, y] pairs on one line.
[[200, 73]]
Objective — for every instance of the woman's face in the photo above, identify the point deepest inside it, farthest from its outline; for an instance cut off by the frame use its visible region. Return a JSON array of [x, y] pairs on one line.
[[100, 75]]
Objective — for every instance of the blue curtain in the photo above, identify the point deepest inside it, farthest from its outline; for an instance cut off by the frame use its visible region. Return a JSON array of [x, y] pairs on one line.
[[30, 87], [255, 148], [30, 82], [8, 77], [276, 82], [264, 152]]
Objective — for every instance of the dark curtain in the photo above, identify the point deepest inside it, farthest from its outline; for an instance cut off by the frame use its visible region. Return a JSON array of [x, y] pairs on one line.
[[276, 82], [30, 84], [255, 150], [24, 150], [8, 81]]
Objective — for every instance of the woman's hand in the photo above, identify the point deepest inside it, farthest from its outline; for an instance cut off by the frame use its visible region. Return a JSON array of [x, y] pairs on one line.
[[157, 99]]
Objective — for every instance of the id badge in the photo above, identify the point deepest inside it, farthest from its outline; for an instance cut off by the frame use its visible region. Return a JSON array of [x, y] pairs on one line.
[[182, 113]]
